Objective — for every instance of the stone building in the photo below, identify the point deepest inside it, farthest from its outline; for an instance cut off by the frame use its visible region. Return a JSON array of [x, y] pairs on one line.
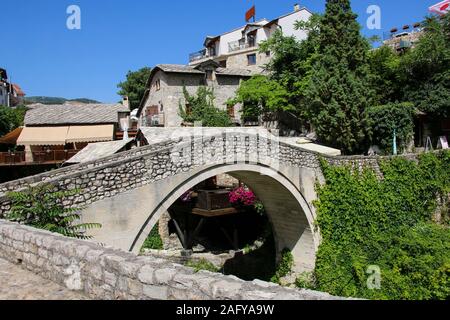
[[225, 61], [404, 39], [239, 48], [164, 94], [5, 89], [18, 96], [54, 133]]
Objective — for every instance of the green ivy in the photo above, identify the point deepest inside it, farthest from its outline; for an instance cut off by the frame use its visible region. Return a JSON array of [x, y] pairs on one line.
[[203, 109], [153, 241], [385, 222], [202, 264], [284, 267]]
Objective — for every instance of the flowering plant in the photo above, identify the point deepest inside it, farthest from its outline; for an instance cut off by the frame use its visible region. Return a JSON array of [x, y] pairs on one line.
[[242, 196], [187, 196]]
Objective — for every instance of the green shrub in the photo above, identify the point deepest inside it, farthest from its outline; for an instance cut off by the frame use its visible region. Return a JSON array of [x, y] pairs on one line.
[[366, 221], [387, 118], [203, 264], [306, 280], [42, 207], [153, 241], [284, 267], [202, 109]]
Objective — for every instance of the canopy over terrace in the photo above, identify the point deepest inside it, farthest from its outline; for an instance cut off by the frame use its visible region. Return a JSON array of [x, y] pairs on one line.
[[45, 136], [51, 136]]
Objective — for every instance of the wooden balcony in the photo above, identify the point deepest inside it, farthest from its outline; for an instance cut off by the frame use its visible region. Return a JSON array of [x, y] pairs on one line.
[[39, 157], [12, 158]]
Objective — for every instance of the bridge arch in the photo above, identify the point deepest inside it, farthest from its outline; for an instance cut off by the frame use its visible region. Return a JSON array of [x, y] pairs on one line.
[[290, 215]]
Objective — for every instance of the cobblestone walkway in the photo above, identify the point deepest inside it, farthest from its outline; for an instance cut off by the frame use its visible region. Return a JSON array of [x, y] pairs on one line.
[[19, 284]]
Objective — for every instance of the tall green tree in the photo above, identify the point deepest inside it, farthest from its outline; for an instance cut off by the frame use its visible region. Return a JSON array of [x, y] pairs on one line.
[[134, 86], [339, 91], [385, 72]]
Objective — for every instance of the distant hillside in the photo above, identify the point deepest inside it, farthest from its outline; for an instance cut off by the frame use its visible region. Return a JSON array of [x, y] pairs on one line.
[[56, 100]]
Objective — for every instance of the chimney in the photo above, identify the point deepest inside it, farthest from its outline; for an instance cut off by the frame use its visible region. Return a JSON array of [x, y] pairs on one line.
[[296, 7], [126, 102]]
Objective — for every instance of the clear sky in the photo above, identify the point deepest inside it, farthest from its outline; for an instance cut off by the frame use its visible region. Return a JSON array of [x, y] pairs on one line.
[[47, 59]]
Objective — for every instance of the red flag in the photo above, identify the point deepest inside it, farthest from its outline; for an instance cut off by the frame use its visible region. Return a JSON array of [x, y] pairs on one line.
[[250, 14]]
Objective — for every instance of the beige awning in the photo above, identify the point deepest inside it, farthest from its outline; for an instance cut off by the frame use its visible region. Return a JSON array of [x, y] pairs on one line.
[[90, 133], [43, 136]]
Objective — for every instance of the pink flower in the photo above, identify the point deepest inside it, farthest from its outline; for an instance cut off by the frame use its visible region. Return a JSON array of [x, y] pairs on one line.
[[242, 196]]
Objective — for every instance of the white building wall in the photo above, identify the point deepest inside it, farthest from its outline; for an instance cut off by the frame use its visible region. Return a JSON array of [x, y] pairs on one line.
[[227, 38], [288, 24]]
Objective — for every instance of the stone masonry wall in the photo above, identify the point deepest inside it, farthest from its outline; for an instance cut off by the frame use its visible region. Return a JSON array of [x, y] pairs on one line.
[[109, 274]]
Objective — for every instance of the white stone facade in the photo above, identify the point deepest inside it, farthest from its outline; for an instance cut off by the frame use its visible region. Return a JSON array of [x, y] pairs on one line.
[[232, 49]]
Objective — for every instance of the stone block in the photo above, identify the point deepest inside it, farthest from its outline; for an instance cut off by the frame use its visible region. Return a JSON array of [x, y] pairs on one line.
[[145, 274], [156, 292]]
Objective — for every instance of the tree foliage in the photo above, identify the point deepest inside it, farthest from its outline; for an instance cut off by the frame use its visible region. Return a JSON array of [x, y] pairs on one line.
[[262, 95], [366, 221], [42, 207], [385, 119], [200, 108], [11, 118], [291, 64], [426, 69], [333, 79], [339, 91], [384, 66], [135, 85]]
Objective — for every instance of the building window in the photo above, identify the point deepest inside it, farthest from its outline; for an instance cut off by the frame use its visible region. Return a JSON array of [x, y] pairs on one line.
[[251, 58], [158, 84], [230, 110], [161, 108], [267, 53], [223, 64]]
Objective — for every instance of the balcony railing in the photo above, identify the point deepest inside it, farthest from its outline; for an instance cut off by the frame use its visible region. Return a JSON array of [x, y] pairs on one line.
[[240, 45], [42, 157], [197, 55], [11, 158]]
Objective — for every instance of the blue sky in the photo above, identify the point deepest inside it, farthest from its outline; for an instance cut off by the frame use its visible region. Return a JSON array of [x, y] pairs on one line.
[[47, 59]]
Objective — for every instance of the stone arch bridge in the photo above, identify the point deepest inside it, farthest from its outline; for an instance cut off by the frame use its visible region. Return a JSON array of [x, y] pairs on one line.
[[127, 193]]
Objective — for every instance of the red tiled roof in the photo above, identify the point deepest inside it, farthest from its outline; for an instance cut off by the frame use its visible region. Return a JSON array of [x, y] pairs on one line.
[[18, 90]]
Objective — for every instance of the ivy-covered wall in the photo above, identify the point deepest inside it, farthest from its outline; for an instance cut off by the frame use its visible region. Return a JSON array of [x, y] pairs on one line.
[[387, 223]]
